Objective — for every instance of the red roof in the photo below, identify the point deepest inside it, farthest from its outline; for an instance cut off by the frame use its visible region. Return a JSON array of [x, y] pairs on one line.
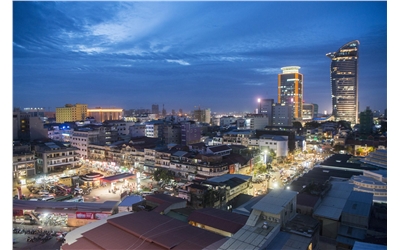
[[219, 219], [145, 230]]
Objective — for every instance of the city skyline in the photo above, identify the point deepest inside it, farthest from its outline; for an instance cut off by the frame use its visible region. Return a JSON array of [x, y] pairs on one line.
[[186, 55]]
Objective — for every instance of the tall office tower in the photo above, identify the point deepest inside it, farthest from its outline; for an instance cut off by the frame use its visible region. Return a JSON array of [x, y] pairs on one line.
[[290, 89], [202, 115], [266, 109], [366, 122], [155, 110], [164, 111], [344, 82], [315, 110], [71, 113]]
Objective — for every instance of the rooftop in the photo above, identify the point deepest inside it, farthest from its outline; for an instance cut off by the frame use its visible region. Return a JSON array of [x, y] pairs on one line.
[[333, 203], [144, 230], [275, 200]]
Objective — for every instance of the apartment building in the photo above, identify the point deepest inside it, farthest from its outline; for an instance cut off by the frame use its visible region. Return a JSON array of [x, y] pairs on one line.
[[55, 156]]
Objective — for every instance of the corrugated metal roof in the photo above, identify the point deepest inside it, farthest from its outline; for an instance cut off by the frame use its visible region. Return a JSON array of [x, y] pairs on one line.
[[359, 203], [367, 246], [146, 230], [219, 219], [352, 232], [288, 241], [219, 148], [130, 200], [304, 199], [332, 205], [275, 200], [82, 244], [226, 177], [66, 207]]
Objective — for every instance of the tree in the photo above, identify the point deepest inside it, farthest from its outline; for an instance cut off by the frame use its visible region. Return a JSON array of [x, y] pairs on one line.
[[163, 174], [272, 155], [344, 124], [312, 125]]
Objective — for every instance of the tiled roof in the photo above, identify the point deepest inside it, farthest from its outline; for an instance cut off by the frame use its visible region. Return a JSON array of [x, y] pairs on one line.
[[219, 219]]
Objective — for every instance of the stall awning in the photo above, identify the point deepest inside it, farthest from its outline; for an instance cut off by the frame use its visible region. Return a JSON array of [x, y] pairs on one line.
[[117, 177]]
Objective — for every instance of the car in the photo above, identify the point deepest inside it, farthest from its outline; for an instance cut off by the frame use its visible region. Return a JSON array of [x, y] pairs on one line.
[[47, 198], [259, 192], [44, 192], [78, 191]]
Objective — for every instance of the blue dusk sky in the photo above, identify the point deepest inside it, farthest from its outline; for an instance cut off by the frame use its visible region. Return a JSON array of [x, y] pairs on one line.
[[185, 55]]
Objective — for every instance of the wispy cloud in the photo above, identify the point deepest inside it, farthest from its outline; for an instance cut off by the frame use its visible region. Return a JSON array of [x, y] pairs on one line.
[[181, 62], [268, 71], [254, 83], [20, 46], [86, 49]]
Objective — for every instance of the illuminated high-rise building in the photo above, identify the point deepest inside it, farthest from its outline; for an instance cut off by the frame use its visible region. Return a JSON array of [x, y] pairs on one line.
[[344, 82], [290, 89]]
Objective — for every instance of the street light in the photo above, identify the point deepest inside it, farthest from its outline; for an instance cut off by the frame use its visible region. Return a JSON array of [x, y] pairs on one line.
[[259, 104]]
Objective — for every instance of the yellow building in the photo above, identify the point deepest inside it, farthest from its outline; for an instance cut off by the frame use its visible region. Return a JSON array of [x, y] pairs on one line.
[[103, 114], [71, 113]]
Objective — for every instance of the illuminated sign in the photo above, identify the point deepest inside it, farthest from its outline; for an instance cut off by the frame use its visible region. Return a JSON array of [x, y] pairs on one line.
[[91, 215]]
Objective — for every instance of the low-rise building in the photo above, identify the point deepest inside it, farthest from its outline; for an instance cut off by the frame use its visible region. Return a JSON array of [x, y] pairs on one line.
[[55, 156]]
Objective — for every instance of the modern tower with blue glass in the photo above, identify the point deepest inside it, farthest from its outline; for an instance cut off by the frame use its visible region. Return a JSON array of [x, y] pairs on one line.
[[344, 82]]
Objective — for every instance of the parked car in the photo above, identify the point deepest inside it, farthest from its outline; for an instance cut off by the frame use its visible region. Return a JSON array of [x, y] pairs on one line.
[[44, 192], [78, 191]]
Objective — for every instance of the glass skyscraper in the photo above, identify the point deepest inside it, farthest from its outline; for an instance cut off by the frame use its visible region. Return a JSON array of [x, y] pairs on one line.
[[344, 82]]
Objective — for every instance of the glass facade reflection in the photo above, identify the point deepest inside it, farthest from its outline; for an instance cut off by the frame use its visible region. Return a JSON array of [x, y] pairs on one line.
[[344, 82]]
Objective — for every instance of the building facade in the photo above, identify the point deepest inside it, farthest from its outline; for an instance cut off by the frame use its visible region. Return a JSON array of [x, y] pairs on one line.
[[71, 113], [190, 133], [55, 156], [308, 111], [256, 121], [202, 115], [290, 89], [366, 122], [24, 162], [103, 114], [344, 82], [266, 109], [282, 114]]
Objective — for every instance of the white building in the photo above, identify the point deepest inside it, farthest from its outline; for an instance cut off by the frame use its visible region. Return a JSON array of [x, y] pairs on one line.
[[122, 126], [227, 120], [279, 144], [137, 130], [81, 140], [256, 121]]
